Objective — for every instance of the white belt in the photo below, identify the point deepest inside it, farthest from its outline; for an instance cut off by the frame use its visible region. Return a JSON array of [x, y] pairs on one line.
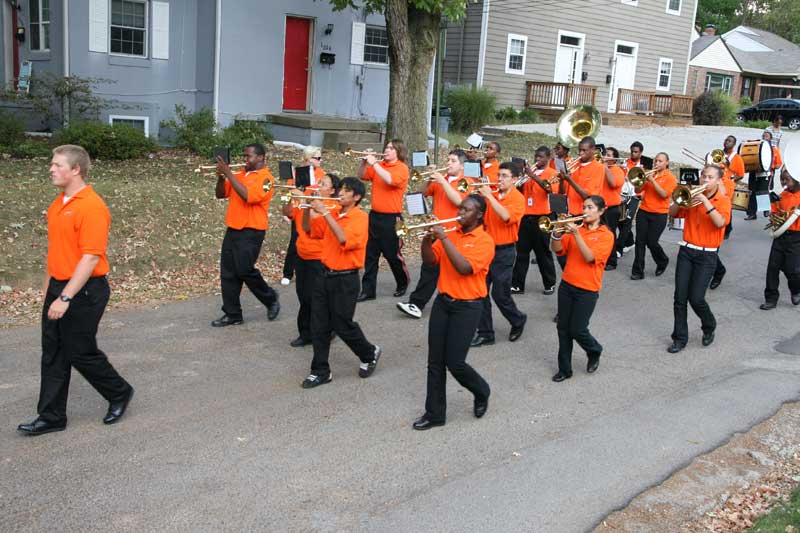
[[693, 247]]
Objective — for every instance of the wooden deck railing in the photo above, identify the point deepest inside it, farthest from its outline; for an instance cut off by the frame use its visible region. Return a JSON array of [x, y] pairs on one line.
[[558, 95], [651, 103]]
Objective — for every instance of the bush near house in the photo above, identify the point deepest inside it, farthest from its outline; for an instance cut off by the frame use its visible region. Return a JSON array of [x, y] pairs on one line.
[[714, 109], [104, 141], [14, 143], [470, 107]]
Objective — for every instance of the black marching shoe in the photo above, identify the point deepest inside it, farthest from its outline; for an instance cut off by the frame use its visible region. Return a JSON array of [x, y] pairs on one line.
[[299, 342], [117, 409], [40, 427], [561, 376], [796, 299], [675, 347], [480, 340], [715, 282], [226, 320], [423, 423], [480, 407], [273, 309], [660, 270], [313, 380], [400, 291], [365, 370], [593, 363], [750, 217], [516, 331], [609, 268], [637, 277], [766, 306], [708, 338], [363, 297]]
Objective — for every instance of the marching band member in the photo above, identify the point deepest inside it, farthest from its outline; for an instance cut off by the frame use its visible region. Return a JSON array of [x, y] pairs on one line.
[[309, 252], [389, 181], [560, 158], [463, 257], [537, 204], [247, 220], [612, 194], [75, 295], [784, 256], [635, 160], [733, 171], [652, 217], [490, 164], [586, 246], [344, 247], [587, 179], [703, 232], [502, 223], [626, 238], [446, 202]]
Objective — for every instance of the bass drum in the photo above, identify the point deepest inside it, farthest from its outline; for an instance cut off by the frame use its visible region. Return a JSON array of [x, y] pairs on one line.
[[741, 198], [757, 156]]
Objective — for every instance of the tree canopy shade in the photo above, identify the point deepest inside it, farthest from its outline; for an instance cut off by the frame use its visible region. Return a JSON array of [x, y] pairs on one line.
[[412, 27], [781, 17]]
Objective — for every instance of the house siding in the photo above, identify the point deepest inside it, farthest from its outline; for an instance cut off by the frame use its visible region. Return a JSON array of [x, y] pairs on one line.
[[716, 56], [601, 25], [462, 48]]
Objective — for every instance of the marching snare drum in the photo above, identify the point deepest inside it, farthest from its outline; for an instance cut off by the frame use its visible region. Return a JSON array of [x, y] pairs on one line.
[[741, 198], [757, 156]]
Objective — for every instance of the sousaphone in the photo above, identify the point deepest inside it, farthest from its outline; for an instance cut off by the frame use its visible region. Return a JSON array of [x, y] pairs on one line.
[[578, 122]]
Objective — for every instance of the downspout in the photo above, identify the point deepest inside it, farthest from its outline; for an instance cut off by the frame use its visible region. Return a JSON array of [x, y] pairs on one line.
[[217, 38], [65, 30], [482, 52], [461, 47], [689, 53]]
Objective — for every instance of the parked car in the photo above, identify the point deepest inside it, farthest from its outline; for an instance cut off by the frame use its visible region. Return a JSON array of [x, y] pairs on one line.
[[769, 109]]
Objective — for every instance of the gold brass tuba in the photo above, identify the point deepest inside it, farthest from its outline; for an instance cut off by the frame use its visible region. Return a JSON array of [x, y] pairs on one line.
[[578, 122]]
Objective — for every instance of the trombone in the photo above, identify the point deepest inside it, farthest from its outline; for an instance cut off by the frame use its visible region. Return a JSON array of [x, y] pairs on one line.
[[401, 229], [549, 226], [714, 157], [684, 196], [416, 175], [638, 176], [210, 170], [463, 185], [527, 177], [349, 152]]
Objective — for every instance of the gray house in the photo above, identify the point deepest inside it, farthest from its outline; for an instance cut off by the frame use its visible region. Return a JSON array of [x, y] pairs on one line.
[[242, 58]]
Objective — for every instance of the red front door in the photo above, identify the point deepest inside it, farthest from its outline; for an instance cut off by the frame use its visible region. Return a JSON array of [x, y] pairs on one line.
[[295, 64]]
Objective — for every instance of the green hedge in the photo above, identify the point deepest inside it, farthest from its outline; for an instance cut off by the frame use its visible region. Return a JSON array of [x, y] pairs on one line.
[[470, 107], [103, 141], [197, 131], [714, 109]]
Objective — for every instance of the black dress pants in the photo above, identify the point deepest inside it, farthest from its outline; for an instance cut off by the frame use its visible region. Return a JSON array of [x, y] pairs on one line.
[[426, 286], [71, 342], [693, 273], [449, 334], [784, 256], [649, 227], [532, 238], [290, 261], [498, 282], [384, 241], [240, 249], [612, 221], [575, 308], [334, 297], [308, 273]]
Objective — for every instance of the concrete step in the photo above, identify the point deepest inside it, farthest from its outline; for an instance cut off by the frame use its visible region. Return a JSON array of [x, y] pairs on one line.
[[341, 139]]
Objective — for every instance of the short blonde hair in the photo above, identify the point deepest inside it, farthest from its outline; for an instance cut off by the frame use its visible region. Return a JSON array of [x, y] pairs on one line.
[[311, 151], [76, 155]]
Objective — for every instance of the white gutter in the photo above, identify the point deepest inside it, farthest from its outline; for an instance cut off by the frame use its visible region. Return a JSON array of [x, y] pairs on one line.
[[217, 39], [484, 32], [689, 52]]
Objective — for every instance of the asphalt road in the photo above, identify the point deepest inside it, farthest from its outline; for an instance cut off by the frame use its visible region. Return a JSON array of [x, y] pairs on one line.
[[220, 436]]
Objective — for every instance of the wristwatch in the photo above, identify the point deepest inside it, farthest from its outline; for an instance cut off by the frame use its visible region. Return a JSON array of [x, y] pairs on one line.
[[65, 298]]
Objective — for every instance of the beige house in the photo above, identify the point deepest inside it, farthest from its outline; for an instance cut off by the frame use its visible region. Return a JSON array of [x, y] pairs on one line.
[[638, 45]]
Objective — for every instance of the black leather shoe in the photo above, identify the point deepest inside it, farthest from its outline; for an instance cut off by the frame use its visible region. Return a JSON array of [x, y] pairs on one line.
[[750, 217], [480, 340], [609, 268], [796, 299], [273, 309], [363, 297], [299, 342], [423, 423], [40, 427], [708, 338], [516, 332], [117, 409], [766, 306], [226, 320], [637, 277], [715, 282], [555, 318], [480, 407], [594, 362], [400, 291], [660, 270], [561, 376], [675, 347]]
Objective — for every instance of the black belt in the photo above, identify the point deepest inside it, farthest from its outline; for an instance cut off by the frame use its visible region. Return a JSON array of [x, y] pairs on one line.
[[336, 273], [451, 299], [503, 246]]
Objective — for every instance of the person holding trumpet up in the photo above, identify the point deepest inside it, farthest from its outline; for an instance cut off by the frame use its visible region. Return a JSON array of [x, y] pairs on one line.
[[612, 194], [585, 176], [587, 248]]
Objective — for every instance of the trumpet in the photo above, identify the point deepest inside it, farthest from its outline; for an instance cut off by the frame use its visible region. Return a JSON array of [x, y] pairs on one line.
[[401, 229], [638, 176], [416, 175], [684, 195], [550, 226], [526, 178], [469, 149], [210, 170], [289, 197], [268, 186], [349, 152], [463, 185]]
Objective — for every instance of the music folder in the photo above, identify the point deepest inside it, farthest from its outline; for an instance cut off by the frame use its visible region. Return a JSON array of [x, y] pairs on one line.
[[415, 204], [647, 162], [420, 159], [224, 152], [285, 170], [472, 169], [302, 176], [689, 176]]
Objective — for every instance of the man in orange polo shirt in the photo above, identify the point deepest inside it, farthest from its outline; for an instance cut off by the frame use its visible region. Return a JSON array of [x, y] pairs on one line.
[[537, 204], [490, 163], [247, 220], [389, 181], [503, 215], [586, 180], [75, 295], [703, 232], [612, 194], [344, 247]]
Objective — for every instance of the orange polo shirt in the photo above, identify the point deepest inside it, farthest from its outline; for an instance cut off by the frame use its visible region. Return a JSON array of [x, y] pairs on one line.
[[491, 169], [698, 229], [589, 177], [76, 228], [630, 163], [736, 165], [729, 185], [477, 247], [613, 195], [651, 201], [388, 198], [351, 254], [789, 202], [537, 200], [253, 213], [505, 232], [443, 208], [579, 273], [308, 248], [776, 157]]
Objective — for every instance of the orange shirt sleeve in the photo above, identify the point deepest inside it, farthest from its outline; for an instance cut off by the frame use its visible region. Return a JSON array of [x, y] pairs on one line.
[[516, 208], [479, 256], [355, 235], [93, 232], [737, 165]]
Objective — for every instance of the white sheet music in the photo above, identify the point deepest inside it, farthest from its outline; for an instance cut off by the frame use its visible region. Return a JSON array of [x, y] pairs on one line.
[[415, 204], [419, 159], [762, 202]]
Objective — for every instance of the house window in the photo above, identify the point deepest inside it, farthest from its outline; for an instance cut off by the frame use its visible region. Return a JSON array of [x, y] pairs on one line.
[[664, 74], [674, 7], [40, 24], [140, 123], [719, 82], [623, 49], [376, 45], [129, 27], [515, 54], [570, 40]]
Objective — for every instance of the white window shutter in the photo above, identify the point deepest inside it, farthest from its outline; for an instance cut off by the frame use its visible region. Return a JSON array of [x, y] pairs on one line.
[[160, 30], [98, 26], [357, 43]]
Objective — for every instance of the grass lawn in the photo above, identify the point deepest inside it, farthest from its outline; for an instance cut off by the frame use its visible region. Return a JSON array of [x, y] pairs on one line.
[[783, 518]]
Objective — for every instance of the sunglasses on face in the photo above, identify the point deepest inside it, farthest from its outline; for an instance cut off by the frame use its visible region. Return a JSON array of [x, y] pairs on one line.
[[318, 157]]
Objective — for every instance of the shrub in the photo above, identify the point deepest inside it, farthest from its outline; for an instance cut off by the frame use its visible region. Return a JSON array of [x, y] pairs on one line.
[[241, 133], [759, 124], [470, 107], [29, 148], [714, 109], [729, 109], [506, 114], [103, 141], [745, 101], [12, 130], [194, 131], [528, 116]]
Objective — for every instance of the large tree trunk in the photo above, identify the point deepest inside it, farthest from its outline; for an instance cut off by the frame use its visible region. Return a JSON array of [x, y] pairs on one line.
[[413, 36]]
